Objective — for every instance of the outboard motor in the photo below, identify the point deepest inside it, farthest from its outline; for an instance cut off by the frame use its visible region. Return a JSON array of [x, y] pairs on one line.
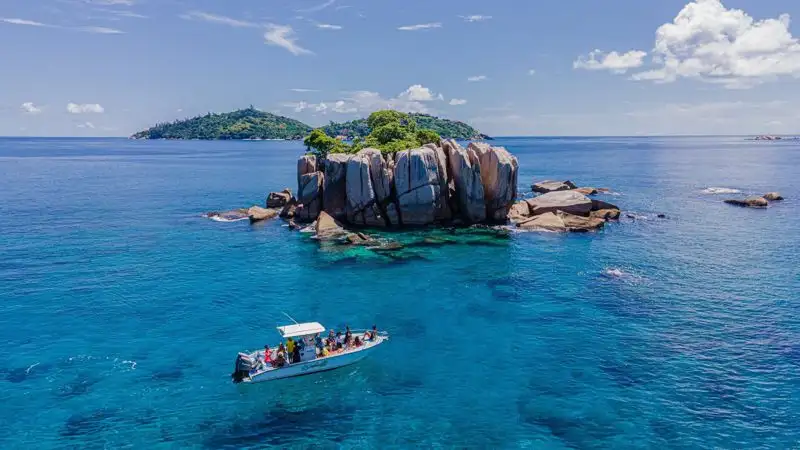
[[244, 364]]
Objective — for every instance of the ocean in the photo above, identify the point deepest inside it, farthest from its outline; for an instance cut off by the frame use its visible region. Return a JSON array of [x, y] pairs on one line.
[[123, 308]]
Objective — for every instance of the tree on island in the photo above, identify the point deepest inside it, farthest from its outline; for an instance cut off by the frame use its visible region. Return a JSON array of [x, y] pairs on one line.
[[390, 131]]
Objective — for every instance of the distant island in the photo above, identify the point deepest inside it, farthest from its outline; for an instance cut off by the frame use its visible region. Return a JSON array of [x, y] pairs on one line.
[[250, 123]]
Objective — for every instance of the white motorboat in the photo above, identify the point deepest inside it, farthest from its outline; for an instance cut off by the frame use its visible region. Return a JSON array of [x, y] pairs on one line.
[[256, 367]]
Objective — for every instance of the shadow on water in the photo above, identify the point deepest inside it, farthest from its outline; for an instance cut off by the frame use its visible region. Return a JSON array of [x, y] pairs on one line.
[[97, 421], [81, 385]]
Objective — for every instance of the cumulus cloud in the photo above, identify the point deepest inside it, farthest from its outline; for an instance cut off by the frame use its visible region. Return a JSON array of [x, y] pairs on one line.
[[476, 18], [215, 18], [30, 108], [477, 78], [458, 102], [708, 42], [414, 99], [86, 108], [421, 26], [283, 36], [419, 93], [615, 62]]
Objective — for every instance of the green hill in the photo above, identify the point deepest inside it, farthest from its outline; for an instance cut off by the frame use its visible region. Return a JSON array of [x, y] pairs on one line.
[[247, 123], [446, 128]]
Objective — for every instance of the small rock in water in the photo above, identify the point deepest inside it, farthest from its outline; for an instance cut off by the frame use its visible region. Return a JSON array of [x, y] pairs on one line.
[[773, 196], [257, 214], [279, 199], [662, 216], [543, 187], [749, 202]]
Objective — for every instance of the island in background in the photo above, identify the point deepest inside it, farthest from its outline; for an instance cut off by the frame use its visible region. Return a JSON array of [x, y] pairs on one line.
[[251, 123]]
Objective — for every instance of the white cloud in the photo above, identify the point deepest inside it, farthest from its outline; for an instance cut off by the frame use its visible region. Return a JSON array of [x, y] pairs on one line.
[[458, 102], [86, 125], [100, 30], [30, 23], [303, 90], [111, 2], [121, 13], [477, 78], [301, 106], [215, 18], [30, 108], [419, 93], [343, 108], [532, 72], [709, 42], [319, 7], [283, 36], [421, 26], [86, 108], [327, 26], [615, 62], [476, 18]]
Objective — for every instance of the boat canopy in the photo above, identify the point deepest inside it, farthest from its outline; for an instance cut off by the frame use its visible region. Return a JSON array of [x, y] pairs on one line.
[[301, 329]]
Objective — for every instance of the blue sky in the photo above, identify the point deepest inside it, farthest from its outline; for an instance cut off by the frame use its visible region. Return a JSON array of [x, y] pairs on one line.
[[583, 67]]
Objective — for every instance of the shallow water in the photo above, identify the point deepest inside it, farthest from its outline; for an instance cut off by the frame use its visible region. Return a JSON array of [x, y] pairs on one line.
[[123, 308]]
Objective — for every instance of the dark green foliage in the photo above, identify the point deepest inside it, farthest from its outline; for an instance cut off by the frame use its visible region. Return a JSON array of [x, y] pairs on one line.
[[247, 123], [321, 144], [427, 137], [448, 129]]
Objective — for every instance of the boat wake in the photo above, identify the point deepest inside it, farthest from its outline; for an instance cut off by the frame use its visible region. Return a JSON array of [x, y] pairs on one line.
[[616, 273], [720, 190]]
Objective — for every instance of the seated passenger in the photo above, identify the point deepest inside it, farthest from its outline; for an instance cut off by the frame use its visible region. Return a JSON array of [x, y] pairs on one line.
[[281, 351], [357, 342], [324, 352], [280, 360], [348, 338], [318, 341], [339, 341], [267, 355]]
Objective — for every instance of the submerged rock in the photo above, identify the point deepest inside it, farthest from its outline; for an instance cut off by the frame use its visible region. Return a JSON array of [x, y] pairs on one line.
[[257, 213], [465, 171], [279, 199], [228, 216], [359, 239], [499, 178], [334, 196], [309, 195], [567, 201], [750, 202], [544, 187], [773, 196]]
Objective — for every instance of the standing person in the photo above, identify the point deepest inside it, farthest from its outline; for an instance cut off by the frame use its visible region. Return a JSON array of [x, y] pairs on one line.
[[339, 341], [296, 354], [319, 343], [290, 346], [267, 355]]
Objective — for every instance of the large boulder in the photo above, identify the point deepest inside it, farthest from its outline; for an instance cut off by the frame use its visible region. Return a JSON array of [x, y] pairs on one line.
[[543, 187], [310, 196], [580, 223], [499, 178], [445, 212], [418, 185], [362, 204], [328, 228], [773, 196], [606, 214], [279, 199], [567, 201], [546, 222], [305, 164], [519, 212], [465, 170], [750, 202], [288, 211], [334, 196], [257, 213]]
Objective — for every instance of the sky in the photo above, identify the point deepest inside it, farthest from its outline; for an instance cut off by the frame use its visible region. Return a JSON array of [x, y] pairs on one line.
[[507, 67]]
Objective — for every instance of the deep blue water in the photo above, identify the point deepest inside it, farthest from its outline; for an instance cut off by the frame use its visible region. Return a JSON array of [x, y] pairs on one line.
[[122, 309]]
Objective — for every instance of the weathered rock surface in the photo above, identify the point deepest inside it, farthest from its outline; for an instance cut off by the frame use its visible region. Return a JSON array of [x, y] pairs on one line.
[[418, 186], [519, 212], [606, 214], [328, 228], [586, 190], [580, 223], [228, 216], [750, 202], [544, 187], [257, 213], [288, 211], [548, 221], [279, 199], [361, 202], [567, 201], [306, 164], [360, 239], [773, 196], [334, 197], [465, 172], [597, 205], [309, 195], [499, 178]]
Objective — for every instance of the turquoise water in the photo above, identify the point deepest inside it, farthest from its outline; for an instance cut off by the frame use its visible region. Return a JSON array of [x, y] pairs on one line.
[[122, 309]]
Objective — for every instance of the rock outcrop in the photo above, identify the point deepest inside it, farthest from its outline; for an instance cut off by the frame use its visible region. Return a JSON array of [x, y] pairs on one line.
[[749, 202], [773, 196], [567, 201], [257, 213], [499, 178], [544, 187], [327, 227], [519, 212], [465, 170], [562, 222], [334, 198], [279, 199], [309, 196], [361, 198], [418, 186]]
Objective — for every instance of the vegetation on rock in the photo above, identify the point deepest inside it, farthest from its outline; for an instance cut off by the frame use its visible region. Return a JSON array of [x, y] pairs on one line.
[[247, 123], [448, 129], [390, 131]]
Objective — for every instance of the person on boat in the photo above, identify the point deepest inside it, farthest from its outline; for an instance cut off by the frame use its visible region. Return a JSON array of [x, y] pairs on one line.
[[281, 351], [357, 342], [339, 341], [296, 354], [348, 338], [280, 360], [374, 333], [290, 345], [318, 342], [267, 355]]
